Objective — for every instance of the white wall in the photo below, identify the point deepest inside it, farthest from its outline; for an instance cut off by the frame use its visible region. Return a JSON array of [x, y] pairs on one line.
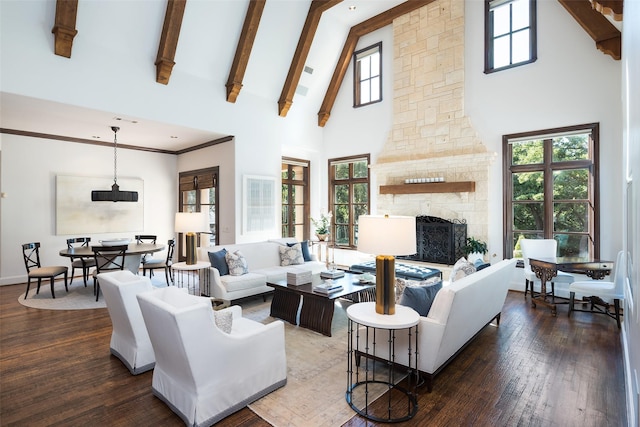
[[28, 212], [571, 83]]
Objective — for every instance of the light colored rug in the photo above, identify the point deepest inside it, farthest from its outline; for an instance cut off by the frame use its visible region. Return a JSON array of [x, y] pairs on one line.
[[78, 297], [316, 374]]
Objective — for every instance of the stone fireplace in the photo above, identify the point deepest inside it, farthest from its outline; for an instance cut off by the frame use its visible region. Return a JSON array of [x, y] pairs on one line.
[[431, 136]]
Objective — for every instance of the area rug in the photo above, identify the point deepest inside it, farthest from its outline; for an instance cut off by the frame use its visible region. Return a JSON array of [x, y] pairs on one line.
[[78, 297], [316, 374]]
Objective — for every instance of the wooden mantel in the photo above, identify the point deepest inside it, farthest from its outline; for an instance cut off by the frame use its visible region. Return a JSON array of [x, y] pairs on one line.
[[429, 187]]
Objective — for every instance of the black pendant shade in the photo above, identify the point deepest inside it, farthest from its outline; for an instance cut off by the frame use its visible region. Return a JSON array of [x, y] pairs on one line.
[[115, 195]]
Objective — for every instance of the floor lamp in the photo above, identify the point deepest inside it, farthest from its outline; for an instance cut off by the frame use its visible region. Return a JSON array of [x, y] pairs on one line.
[[191, 223], [393, 235]]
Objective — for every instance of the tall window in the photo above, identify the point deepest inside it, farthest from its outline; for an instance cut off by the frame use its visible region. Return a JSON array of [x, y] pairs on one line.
[[367, 81], [510, 34], [348, 197], [295, 198], [199, 193], [551, 189]]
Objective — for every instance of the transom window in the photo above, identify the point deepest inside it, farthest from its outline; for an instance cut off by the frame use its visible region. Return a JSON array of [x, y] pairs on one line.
[[367, 81], [551, 189], [348, 197], [510, 34]]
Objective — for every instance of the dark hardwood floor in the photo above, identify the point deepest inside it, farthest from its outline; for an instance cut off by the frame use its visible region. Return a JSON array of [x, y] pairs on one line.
[[533, 370]]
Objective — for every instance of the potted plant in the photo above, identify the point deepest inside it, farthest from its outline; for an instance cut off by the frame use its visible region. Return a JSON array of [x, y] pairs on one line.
[[475, 249], [322, 225]]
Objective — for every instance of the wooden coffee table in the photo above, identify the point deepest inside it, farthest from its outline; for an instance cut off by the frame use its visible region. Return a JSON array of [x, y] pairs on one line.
[[316, 310]]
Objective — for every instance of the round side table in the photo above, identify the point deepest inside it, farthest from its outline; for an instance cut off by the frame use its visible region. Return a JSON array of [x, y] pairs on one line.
[[370, 333], [194, 276]]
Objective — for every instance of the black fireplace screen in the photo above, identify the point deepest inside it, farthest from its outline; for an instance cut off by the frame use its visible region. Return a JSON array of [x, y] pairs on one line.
[[439, 240]]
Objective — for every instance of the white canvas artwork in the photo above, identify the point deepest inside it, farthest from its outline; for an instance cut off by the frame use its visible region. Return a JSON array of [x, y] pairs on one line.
[[76, 214], [259, 204]]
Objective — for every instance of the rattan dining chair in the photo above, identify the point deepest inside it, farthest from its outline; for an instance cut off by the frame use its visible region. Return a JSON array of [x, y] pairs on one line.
[[31, 255]]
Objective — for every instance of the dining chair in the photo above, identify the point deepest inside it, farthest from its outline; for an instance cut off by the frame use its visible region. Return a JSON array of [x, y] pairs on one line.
[[83, 262], [166, 264], [31, 255], [107, 258], [148, 257], [595, 292], [541, 248]]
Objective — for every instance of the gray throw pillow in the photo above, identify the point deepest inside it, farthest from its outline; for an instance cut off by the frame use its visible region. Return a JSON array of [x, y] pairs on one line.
[[224, 320], [460, 269], [305, 249], [420, 298], [237, 263], [218, 260], [291, 255]]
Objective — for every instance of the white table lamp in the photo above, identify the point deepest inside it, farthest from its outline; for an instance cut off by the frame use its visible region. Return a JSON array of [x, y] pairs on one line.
[[386, 236], [191, 223]]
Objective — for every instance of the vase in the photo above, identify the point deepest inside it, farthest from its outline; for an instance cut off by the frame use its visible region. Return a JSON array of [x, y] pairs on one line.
[[322, 236]]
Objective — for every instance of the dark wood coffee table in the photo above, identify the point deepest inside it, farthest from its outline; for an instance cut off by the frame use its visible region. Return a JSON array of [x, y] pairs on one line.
[[316, 310]]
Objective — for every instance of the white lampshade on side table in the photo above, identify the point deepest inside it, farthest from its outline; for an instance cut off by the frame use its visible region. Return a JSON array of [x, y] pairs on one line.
[[386, 236], [191, 223]]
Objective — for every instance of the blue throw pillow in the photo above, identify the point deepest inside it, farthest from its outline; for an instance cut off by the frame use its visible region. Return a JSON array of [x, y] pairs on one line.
[[218, 260], [483, 266], [420, 298], [305, 249]]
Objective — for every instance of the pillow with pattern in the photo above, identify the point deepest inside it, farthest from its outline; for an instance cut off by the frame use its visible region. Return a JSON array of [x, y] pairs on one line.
[[401, 284], [461, 268], [291, 255], [305, 249], [224, 320], [236, 263]]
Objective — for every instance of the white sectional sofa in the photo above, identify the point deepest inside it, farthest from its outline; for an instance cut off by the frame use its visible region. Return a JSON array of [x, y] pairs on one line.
[[459, 311], [263, 261]]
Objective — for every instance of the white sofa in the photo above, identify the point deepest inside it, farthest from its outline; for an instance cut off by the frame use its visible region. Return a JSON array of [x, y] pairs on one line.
[[459, 311], [263, 261]]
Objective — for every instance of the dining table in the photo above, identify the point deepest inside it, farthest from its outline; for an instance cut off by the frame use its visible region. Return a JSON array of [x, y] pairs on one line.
[[546, 269], [133, 255]]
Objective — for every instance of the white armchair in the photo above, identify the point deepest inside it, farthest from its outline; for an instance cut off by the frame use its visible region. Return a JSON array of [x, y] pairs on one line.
[[129, 339], [202, 373]]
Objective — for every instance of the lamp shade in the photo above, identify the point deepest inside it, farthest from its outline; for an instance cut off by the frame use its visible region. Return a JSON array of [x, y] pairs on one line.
[[388, 235], [191, 222]]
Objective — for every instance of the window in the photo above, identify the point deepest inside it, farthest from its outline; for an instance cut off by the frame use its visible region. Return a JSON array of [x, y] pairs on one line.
[[348, 197], [199, 193], [551, 189], [367, 81], [510, 34], [295, 198]]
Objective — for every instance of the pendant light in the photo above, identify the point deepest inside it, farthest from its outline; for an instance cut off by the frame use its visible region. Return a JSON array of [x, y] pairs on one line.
[[115, 195]]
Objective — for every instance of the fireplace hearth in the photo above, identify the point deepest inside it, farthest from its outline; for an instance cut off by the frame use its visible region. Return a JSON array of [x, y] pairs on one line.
[[439, 240]]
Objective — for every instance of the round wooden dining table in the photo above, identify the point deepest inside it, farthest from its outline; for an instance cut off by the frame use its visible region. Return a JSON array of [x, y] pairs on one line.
[[133, 256]]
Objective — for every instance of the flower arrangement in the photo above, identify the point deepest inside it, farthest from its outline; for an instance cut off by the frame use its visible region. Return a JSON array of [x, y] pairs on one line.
[[322, 225]]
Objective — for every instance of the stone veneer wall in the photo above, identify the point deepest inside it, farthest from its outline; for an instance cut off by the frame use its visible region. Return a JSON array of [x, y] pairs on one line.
[[431, 136]]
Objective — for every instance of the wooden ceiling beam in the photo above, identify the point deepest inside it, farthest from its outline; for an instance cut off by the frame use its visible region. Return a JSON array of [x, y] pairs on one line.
[[357, 31], [243, 51], [607, 37], [316, 10], [612, 8], [169, 40], [64, 28]]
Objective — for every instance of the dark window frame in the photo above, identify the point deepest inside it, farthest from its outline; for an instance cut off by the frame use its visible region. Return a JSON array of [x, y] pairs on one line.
[[548, 167], [198, 180], [488, 41], [356, 76], [353, 223], [290, 162]]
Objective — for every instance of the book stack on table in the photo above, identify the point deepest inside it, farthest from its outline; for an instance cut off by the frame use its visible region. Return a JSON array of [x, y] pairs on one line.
[[327, 287], [298, 277], [332, 274]]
